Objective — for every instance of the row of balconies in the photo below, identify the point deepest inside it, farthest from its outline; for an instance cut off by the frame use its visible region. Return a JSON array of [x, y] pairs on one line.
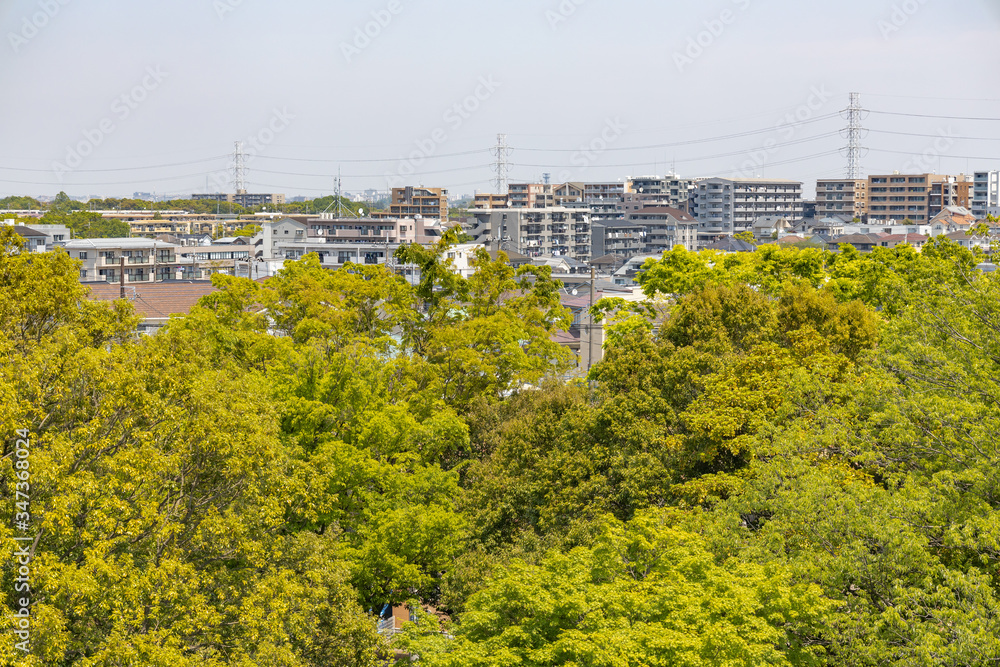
[[114, 260]]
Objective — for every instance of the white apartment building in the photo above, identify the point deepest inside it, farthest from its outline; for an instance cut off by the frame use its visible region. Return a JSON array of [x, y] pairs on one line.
[[147, 260], [535, 232], [986, 194], [726, 206]]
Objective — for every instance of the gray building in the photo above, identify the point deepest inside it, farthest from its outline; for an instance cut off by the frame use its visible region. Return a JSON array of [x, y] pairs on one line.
[[536, 232], [986, 194], [725, 206]]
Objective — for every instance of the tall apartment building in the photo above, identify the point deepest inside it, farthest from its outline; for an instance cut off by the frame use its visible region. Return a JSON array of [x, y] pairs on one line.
[[844, 198], [666, 228], [916, 197], [985, 194], [670, 191], [534, 232], [963, 191], [544, 195], [409, 202], [486, 200], [725, 206], [530, 195]]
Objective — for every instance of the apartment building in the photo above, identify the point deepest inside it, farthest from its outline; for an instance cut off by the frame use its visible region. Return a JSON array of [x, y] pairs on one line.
[[666, 228], [964, 185], [916, 197], [535, 232], [985, 194], [149, 260], [618, 238], [410, 202], [670, 191], [843, 198], [725, 206], [490, 201], [337, 241], [242, 198], [530, 195]]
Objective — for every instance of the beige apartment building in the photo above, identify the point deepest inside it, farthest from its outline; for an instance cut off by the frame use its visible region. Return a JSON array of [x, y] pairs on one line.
[[844, 198], [916, 197], [410, 202], [487, 200]]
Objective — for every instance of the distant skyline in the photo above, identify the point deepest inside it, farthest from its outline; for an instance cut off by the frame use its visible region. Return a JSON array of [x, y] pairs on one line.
[[109, 97]]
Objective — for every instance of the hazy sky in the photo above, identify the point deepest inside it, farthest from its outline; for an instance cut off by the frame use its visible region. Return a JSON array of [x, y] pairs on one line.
[[110, 97]]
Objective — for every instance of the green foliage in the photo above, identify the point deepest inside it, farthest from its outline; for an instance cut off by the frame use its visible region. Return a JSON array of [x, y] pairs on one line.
[[249, 230], [786, 457], [20, 203], [644, 594], [86, 225]]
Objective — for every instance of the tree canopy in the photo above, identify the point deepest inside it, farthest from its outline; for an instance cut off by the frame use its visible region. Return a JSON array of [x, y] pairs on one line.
[[786, 457]]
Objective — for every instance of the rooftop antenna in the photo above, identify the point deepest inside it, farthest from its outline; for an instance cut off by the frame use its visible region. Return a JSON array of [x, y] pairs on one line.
[[854, 133]]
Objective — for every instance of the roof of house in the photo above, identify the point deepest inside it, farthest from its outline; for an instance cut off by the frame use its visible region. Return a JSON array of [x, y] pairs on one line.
[[856, 239], [606, 260], [28, 232], [155, 300], [730, 244]]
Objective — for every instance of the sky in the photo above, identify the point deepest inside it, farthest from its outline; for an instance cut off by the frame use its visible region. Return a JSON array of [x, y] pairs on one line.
[[111, 97]]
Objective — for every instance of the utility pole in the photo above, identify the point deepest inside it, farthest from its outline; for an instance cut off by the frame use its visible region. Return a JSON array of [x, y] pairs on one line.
[[590, 318]]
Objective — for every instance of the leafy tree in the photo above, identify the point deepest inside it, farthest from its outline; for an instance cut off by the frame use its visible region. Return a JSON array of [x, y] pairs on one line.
[[20, 203], [644, 594]]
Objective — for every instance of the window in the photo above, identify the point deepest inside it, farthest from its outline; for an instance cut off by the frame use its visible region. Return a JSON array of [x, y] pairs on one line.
[[83, 255]]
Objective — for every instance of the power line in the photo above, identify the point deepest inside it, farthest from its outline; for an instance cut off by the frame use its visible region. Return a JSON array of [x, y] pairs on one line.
[[739, 135], [710, 157], [918, 115], [156, 166]]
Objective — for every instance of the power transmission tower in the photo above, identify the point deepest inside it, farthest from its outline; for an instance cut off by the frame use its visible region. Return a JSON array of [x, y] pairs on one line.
[[502, 165], [854, 133], [239, 169]]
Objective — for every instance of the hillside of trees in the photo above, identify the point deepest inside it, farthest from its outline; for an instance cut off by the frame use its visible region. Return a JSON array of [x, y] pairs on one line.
[[787, 457]]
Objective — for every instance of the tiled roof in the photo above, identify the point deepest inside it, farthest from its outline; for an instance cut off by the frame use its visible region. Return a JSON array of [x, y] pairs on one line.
[[155, 300]]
